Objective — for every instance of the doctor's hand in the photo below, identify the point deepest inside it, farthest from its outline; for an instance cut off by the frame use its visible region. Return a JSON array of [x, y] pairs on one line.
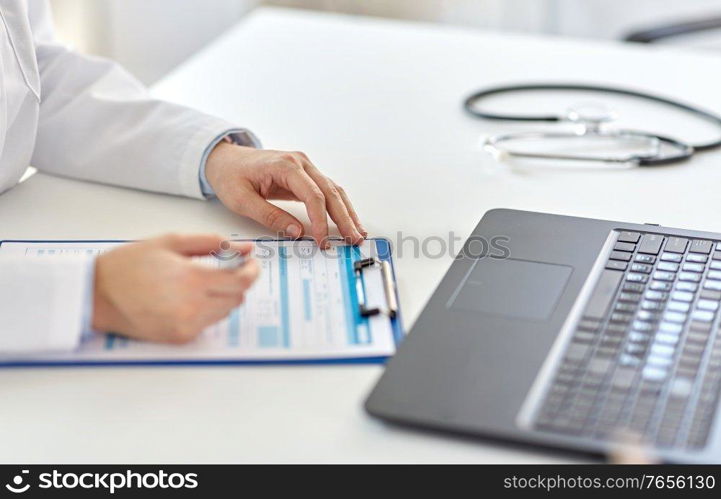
[[244, 179], [152, 290]]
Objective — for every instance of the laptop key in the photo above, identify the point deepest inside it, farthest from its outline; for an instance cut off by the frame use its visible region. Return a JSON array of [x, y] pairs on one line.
[[652, 305], [621, 317], [696, 257], [638, 349], [689, 276], [694, 267], [700, 327], [635, 287], [645, 258], [616, 265], [584, 337], [710, 294], [702, 315], [623, 378], [615, 329], [629, 237], [700, 246], [648, 315], [633, 277], [671, 257], [577, 351], [599, 366], [660, 286], [687, 286], [641, 327], [589, 325], [650, 244], [655, 295], [625, 307], [630, 297], [682, 296], [670, 327], [676, 245], [620, 255], [697, 337], [667, 266], [641, 267], [668, 338], [662, 276], [629, 247], [714, 274], [679, 306], [674, 316]]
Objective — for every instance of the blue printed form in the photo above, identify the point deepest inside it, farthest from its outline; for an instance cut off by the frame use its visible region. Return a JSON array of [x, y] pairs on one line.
[[304, 306]]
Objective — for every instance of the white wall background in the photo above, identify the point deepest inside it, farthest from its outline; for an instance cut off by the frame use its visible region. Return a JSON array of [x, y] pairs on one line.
[[149, 37], [152, 36]]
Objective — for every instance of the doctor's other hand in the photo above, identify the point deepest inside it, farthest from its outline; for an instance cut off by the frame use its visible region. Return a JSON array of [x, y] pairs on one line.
[[152, 290], [244, 179]]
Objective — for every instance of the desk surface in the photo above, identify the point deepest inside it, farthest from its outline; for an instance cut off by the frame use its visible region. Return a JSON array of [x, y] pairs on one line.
[[376, 104]]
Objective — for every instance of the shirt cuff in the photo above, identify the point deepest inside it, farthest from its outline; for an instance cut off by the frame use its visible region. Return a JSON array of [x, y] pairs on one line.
[[42, 302], [87, 330], [238, 136]]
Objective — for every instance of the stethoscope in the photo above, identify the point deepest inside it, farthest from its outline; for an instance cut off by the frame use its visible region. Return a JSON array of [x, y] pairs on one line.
[[591, 121]]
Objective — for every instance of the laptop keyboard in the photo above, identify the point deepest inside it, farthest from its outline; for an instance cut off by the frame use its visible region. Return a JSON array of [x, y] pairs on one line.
[[646, 355]]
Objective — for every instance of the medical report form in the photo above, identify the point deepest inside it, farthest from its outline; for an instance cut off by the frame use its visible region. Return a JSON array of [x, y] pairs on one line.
[[304, 306]]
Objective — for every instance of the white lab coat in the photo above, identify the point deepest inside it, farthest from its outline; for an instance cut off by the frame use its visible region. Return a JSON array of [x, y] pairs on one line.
[[83, 117]]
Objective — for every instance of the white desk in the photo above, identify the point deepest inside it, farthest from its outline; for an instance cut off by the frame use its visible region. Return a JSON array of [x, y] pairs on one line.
[[376, 104]]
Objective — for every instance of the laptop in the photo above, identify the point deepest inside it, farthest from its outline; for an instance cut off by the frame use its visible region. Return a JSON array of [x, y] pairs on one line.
[[572, 333]]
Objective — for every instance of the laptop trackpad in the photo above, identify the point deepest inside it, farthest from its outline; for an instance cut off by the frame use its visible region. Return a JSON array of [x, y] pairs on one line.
[[514, 288]]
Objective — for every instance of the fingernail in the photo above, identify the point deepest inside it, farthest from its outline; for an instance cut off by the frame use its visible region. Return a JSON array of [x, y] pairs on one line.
[[363, 230], [292, 231]]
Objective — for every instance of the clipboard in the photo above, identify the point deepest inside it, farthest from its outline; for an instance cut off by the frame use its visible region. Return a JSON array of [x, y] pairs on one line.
[[355, 295]]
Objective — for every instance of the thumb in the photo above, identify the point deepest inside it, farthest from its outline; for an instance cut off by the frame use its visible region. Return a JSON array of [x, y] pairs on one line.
[[268, 214], [194, 244]]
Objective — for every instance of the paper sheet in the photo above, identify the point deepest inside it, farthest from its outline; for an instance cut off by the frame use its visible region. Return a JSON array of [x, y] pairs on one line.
[[303, 306]]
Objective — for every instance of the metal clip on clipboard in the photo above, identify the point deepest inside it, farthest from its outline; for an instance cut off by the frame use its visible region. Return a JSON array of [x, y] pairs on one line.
[[388, 286]]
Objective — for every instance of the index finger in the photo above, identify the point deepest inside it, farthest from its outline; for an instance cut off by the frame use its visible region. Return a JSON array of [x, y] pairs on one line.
[[335, 204], [312, 196]]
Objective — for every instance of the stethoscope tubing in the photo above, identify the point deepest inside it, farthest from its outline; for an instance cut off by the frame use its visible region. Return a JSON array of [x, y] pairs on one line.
[[686, 150]]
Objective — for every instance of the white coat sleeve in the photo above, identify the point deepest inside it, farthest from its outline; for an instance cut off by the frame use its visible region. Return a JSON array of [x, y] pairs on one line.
[[98, 123], [42, 302]]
